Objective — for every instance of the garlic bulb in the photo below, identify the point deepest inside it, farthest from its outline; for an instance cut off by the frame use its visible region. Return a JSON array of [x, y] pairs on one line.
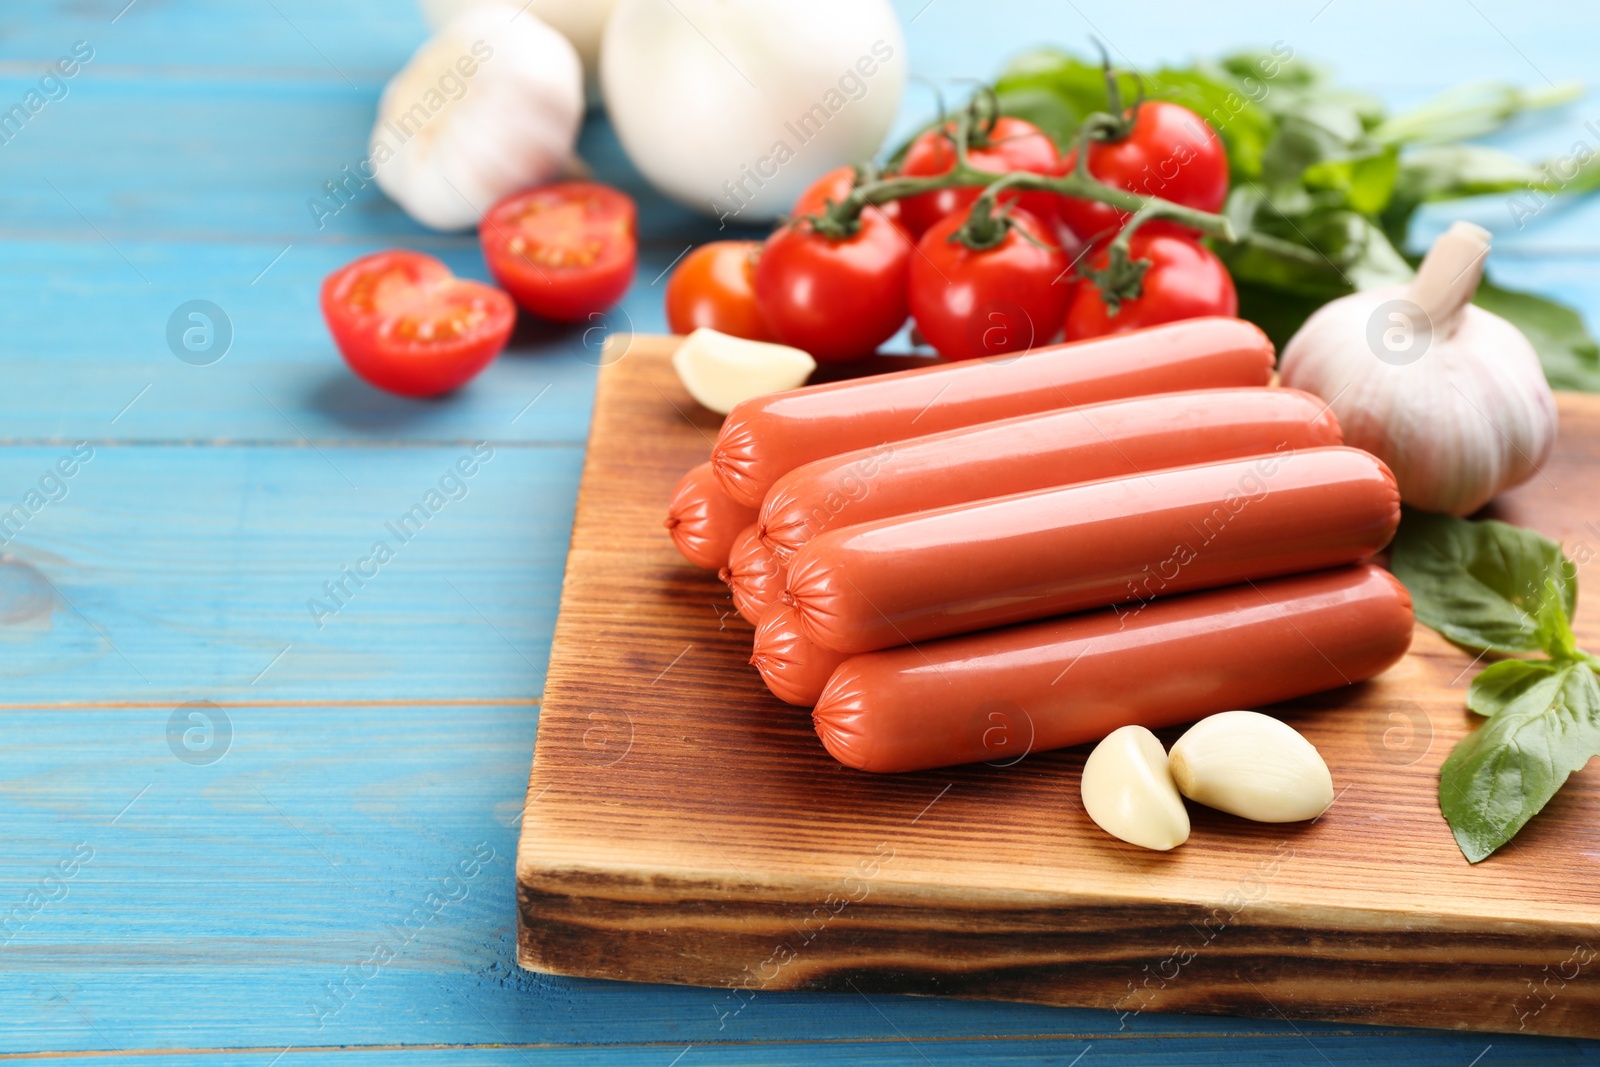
[[733, 108], [489, 105], [579, 21], [1450, 396]]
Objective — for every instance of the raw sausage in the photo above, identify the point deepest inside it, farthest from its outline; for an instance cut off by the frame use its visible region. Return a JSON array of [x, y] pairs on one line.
[[767, 437], [998, 695], [753, 574], [1028, 556], [794, 667], [703, 520], [1112, 439]]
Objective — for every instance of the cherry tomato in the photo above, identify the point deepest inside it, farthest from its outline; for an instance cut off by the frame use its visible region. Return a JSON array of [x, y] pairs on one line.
[[836, 299], [1170, 152], [564, 251], [406, 324], [1184, 281], [970, 303], [715, 286], [833, 187], [1012, 145]]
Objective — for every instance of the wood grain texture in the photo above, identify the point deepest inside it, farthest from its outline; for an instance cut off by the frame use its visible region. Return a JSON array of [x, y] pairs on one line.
[[168, 574], [682, 825]]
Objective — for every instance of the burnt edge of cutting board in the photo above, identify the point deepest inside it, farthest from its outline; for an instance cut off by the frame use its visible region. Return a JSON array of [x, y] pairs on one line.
[[611, 755]]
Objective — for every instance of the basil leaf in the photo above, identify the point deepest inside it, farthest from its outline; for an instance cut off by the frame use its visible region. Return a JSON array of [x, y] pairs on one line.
[[1553, 626], [1038, 105], [1569, 354], [1280, 68], [1365, 180], [1055, 91], [1501, 775], [1471, 110], [1499, 684], [1481, 584], [1450, 172], [1294, 244]]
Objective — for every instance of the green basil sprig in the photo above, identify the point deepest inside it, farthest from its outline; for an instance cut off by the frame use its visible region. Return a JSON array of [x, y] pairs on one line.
[[1495, 587]]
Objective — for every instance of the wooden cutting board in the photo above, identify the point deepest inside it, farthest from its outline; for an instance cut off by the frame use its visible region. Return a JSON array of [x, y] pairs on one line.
[[682, 825]]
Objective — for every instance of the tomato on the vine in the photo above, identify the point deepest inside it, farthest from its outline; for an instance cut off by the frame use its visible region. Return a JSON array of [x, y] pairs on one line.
[[406, 324], [1011, 144], [1183, 281], [715, 286], [833, 187], [565, 251], [984, 302], [836, 298], [1169, 152]]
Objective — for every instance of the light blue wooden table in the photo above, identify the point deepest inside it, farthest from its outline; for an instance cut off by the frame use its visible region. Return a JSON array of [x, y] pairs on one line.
[[364, 778]]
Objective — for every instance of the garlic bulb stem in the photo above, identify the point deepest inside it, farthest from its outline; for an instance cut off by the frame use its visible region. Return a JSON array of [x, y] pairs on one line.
[[1450, 274]]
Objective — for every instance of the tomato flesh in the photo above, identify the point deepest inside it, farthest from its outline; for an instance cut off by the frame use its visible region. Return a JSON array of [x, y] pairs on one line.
[[405, 324], [972, 303], [715, 286], [1185, 280], [564, 251]]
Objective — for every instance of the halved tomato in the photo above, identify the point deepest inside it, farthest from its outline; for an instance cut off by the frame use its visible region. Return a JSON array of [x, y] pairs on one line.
[[404, 323], [564, 251]]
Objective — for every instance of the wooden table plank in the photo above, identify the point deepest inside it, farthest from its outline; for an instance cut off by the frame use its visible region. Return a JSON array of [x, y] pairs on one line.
[[251, 882], [303, 40], [235, 156], [171, 573], [892, 1051], [93, 341]]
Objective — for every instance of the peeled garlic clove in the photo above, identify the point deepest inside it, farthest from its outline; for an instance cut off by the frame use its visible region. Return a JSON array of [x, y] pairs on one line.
[[1129, 793], [720, 371], [1253, 766], [489, 105]]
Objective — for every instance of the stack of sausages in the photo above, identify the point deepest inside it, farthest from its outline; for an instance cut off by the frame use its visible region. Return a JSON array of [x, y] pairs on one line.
[[970, 562]]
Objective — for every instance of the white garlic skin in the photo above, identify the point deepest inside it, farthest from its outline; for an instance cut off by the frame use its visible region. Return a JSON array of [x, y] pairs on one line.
[[1253, 766], [1470, 418], [580, 21], [1129, 793], [447, 156]]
